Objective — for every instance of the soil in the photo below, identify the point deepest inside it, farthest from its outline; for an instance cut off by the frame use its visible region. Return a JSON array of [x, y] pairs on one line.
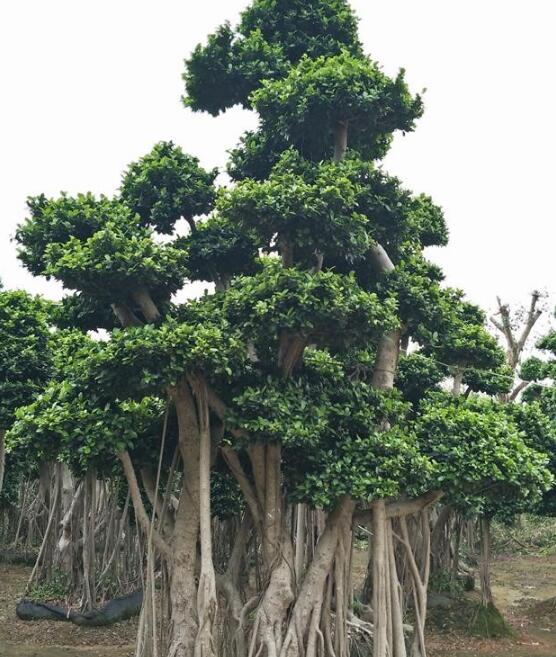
[[523, 587], [51, 638]]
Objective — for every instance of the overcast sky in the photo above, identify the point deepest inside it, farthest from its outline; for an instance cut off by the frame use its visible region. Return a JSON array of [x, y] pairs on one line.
[[88, 86]]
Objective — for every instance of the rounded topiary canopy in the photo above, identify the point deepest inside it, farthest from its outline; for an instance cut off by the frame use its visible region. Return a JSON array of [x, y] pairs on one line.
[[166, 185]]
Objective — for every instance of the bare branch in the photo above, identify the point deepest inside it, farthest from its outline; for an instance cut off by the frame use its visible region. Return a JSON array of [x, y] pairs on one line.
[[532, 318], [521, 386]]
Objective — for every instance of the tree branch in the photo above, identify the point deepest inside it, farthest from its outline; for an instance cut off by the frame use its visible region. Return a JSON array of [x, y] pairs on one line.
[[532, 318], [142, 297], [521, 386], [139, 507], [125, 315], [233, 462], [401, 508]]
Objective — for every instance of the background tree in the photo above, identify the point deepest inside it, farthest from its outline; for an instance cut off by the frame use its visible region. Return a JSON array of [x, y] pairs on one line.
[[24, 356]]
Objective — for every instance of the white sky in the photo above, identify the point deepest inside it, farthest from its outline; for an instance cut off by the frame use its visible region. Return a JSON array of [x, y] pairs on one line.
[[88, 86]]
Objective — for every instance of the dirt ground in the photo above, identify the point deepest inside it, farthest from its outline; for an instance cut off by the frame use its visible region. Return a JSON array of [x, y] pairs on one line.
[[50, 638], [520, 585]]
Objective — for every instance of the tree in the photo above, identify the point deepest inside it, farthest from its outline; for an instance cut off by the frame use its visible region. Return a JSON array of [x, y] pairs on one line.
[[286, 374], [24, 356]]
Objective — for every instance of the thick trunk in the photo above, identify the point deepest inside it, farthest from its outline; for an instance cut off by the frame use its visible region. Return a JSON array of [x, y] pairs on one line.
[[302, 631], [458, 380], [206, 592], [441, 541], [272, 519], [277, 553], [384, 370], [65, 548], [183, 588]]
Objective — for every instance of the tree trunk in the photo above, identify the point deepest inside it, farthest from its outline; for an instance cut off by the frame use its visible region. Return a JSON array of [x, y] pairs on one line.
[[65, 547], [340, 141], [183, 588], [206, 592], [302, 627], [144, 300], [300, 540], [2, 457], [486, 590], [380, 583]]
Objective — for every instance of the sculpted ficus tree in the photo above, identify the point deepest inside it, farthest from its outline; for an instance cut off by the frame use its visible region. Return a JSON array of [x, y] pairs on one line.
[[104, 249], [285, 376], [309, 188]]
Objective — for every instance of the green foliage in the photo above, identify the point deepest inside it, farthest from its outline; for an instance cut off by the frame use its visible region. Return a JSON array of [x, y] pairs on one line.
[[146, 359], [116, 260], [304, 27], [272, 35], [55, 588], [339, 209], [66, 424], [444, 581], [323, 308], [489, 381], [538, 413], [488, 622], [300, 65], [533, 369], [306, 106], [417, 375], [225, 71], [167, 184], [24, 351], [82, 312], [328, 428], [217, 250], [480, 453], [457, 335], [311, 209], [377, 465], [55, 221]]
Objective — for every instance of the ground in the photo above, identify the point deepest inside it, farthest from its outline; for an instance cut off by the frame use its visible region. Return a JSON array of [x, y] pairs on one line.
[[54, 639], [522, 585]]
